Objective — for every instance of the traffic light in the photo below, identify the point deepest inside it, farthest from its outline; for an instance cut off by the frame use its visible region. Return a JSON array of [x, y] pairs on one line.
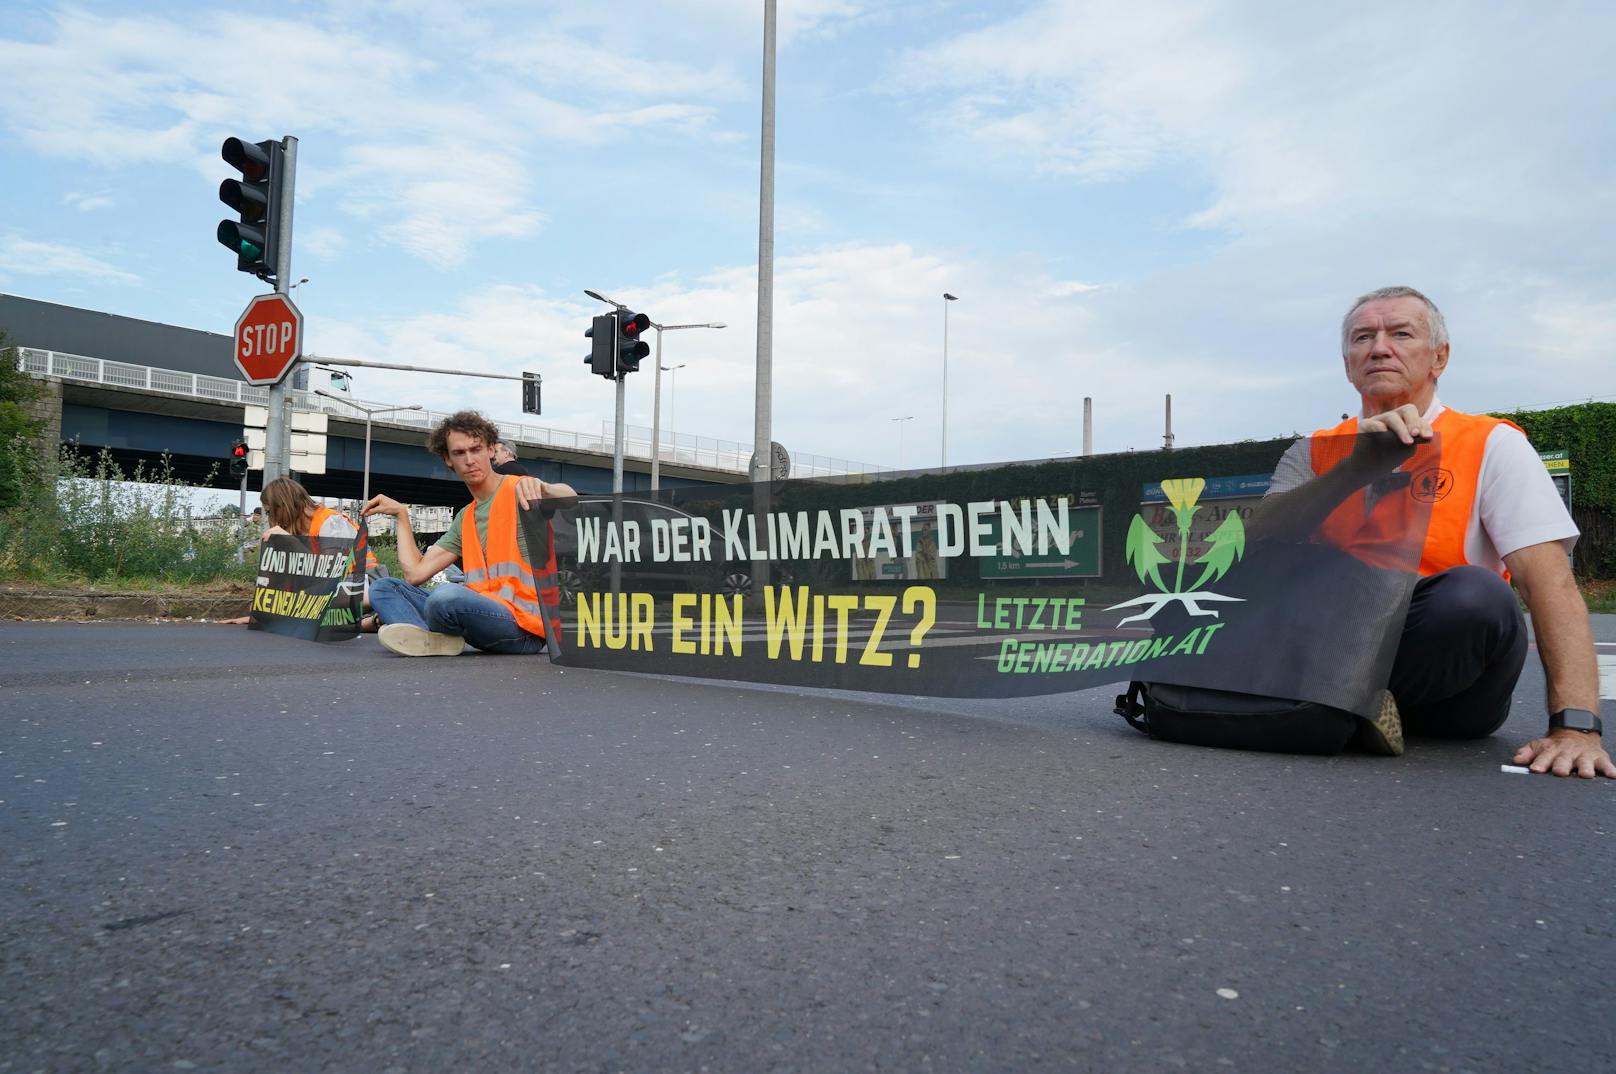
[[630, 347], [256, 197], [602, 333], [530, 393], [238, 459]]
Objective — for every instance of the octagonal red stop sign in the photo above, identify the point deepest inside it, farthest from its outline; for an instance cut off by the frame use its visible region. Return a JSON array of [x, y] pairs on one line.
[[269, 338]]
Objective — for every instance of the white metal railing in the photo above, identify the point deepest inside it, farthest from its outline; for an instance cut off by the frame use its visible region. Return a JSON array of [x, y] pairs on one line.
[[677, 448]]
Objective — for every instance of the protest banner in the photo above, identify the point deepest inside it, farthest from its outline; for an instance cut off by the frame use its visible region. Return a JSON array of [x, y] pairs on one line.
[[702, 582], [310, 588]]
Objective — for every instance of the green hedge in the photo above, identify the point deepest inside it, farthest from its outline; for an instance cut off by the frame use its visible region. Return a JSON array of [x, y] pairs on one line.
[[1587, 432]]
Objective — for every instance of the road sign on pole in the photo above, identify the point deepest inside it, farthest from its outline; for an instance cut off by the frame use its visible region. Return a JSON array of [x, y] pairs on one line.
[[269, 339]]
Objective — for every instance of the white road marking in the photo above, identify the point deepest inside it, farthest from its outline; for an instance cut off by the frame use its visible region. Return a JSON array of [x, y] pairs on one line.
[[1607, 676]]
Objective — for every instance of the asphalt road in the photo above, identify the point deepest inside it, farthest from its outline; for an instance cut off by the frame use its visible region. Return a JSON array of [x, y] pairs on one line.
[[236, 852]]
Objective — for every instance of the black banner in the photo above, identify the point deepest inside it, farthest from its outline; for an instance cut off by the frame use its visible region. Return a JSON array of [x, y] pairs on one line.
[[1029, 578], [308, 588]]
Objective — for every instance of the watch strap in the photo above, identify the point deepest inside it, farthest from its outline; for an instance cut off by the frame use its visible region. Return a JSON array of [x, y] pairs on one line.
[[1576, 720]]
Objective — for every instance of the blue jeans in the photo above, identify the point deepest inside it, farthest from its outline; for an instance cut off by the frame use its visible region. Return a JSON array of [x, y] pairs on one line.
[[485, 623]]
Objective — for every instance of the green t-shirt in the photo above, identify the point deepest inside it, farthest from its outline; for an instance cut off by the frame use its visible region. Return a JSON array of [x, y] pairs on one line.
[[451, 541]]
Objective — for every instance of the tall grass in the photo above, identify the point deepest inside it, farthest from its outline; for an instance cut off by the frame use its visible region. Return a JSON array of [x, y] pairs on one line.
[[89, 521]]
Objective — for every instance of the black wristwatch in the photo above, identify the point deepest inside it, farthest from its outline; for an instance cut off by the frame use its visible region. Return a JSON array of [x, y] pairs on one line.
[[1577, 720]]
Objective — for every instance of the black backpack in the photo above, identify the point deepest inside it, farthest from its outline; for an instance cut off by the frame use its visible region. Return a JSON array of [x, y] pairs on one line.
[[1202, 717]]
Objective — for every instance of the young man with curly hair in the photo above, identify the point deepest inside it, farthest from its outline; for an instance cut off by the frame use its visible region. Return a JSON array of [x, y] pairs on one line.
[[498, 607]]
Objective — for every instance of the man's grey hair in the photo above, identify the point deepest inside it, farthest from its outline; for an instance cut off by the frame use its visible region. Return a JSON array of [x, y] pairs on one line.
[[1433, 316]]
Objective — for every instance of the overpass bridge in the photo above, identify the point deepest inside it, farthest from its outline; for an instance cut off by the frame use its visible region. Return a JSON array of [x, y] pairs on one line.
[[139, 413]]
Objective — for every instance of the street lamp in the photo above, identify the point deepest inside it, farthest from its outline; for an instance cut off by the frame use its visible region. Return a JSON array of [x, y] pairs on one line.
[[656, 396], [947, 298], [900, 421], [673, 383], [370, 412]]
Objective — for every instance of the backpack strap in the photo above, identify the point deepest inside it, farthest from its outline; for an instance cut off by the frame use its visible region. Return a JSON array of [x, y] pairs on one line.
[[1130, 708]]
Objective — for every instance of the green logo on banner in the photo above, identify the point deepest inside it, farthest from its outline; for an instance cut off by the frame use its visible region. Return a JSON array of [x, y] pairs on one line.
[[1227, 543]]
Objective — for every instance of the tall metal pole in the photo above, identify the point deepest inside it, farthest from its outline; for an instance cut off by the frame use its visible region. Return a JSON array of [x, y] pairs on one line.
[[947, 298], [365, 495], [617, 446], [900, 421], [278, 432], [1167, 435], [763, 413], [1088, 425], [656, 416]]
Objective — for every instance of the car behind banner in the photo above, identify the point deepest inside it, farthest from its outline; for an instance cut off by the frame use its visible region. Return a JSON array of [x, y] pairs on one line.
[[1022, 579]]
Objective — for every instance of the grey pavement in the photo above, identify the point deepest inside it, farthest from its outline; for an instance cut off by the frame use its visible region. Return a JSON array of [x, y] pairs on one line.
[[229, 851]]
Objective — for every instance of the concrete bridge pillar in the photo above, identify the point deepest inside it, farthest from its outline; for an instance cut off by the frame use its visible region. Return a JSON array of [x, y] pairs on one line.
[[47, 409]]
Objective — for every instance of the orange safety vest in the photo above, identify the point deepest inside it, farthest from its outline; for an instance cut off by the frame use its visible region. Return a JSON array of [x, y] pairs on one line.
[[324, 514], [1444, 480], [500, 571]]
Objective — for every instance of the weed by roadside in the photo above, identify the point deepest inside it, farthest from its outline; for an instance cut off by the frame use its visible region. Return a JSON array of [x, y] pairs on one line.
[[89, 522]]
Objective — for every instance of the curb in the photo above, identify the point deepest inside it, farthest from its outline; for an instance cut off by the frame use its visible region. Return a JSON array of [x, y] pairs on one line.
[[111, 604]]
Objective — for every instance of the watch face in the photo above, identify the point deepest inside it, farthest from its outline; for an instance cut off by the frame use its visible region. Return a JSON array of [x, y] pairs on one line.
[[1576, 720]]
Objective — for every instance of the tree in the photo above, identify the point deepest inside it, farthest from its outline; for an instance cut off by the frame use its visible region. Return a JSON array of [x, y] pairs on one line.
[[21, 468]]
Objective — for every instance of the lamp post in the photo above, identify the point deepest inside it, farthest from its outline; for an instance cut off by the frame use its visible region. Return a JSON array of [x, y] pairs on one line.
[[673, 384], [370, 412], [900, 421], [656, 396], [947, 298]]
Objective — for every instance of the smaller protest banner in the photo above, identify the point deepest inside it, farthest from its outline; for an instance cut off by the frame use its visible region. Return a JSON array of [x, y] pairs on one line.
[[310, 588]]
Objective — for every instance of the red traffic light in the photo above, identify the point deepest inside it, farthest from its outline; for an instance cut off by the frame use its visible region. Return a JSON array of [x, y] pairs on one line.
[[631, 325], [248, 158]]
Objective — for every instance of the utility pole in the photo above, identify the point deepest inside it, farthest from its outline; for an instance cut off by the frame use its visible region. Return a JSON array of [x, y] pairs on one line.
[[1088, 425], [278, 434], [1167, 436], [762, 428]]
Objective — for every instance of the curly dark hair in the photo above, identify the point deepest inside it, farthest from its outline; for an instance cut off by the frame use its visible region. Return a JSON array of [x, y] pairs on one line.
[[467, 422]]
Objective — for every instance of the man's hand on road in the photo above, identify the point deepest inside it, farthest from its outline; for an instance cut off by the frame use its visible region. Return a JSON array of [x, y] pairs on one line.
[[383, 505], [1565, 752]]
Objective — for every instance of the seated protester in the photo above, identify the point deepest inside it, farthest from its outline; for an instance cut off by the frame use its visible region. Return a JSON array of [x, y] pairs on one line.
[[1494, 516], [498, 608], [292, 512]]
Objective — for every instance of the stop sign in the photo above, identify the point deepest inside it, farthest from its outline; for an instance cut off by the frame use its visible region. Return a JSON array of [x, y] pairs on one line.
[[269, 338]]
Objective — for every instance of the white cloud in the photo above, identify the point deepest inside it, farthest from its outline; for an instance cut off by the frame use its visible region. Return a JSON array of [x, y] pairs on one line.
[[1336, 111], [86, 203], [118, 91], [29, 257], [321, 242]]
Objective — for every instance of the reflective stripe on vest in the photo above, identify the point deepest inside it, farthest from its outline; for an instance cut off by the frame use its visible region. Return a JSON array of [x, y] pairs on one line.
[[501, 572], [1443, 478]]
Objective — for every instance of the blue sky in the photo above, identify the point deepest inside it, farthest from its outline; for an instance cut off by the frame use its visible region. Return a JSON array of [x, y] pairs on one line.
[[1128, 200]]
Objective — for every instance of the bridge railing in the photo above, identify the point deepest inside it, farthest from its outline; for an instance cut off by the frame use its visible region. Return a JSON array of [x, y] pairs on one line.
[[677, 448]]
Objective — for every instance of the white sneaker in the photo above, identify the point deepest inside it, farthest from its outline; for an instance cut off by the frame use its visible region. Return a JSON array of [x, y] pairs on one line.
[[407, 640]]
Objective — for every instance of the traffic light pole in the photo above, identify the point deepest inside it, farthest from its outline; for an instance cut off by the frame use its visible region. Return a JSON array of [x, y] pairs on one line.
[[617, 441], [278, 434]]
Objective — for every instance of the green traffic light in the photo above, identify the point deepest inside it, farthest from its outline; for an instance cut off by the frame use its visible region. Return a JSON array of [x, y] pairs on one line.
[[234, 237]]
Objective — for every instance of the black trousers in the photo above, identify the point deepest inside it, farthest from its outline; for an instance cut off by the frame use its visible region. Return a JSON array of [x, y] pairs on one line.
[[1463, 647]]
